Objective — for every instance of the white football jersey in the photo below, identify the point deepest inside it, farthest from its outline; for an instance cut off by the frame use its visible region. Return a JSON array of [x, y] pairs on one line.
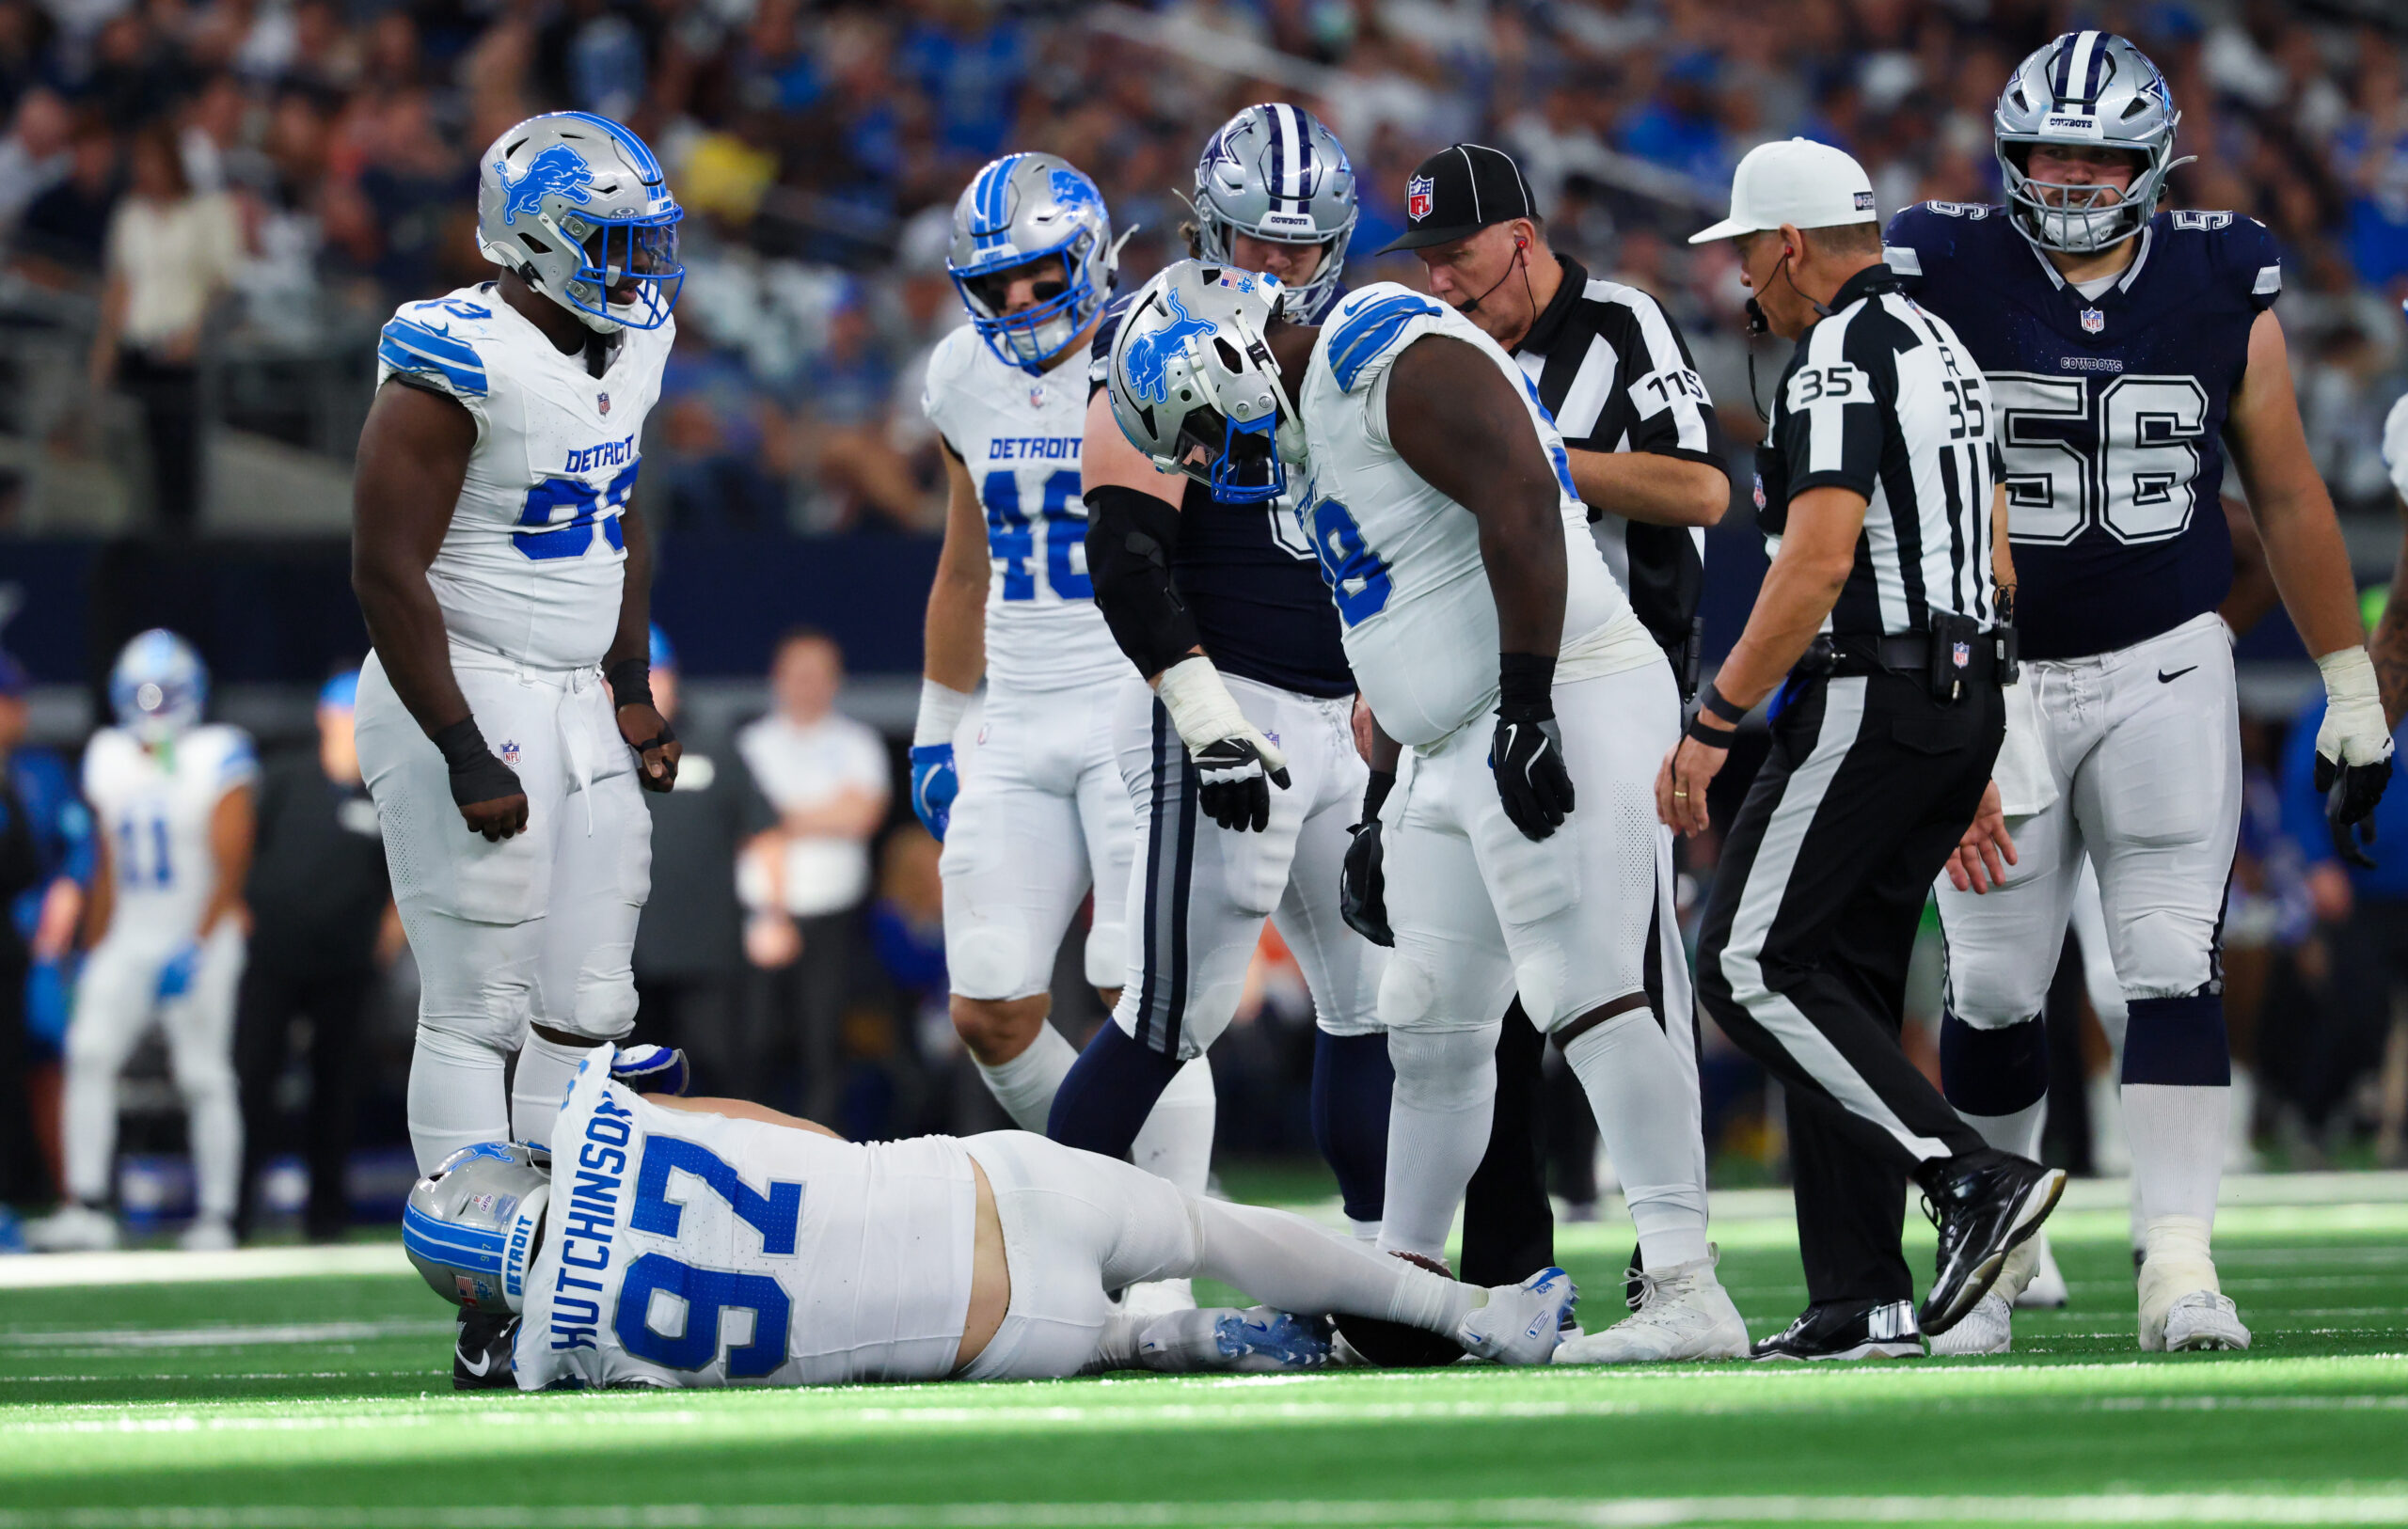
[[1020, 437], [535, 562], [153, 807], [1403, 561], [690, 1250]]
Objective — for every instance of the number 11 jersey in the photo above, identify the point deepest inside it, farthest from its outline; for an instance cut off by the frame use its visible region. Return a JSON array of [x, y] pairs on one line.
[[535, 562]]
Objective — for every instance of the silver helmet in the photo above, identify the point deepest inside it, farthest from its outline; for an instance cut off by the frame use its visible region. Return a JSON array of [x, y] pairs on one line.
[[1021, 209], [472, 1226], [158, 687], [2096, 89], [1195, 386], [1274, 172], [579, 207]]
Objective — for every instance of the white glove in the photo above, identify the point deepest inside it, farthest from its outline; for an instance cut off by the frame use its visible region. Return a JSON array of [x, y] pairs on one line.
[[1236, 763], [2025, 783], [2395, 444], [2353, 750]]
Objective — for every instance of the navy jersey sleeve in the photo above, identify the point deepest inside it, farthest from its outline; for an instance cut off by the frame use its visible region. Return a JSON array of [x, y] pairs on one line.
[[1835, 400], [1099, 353], [2247, 259]]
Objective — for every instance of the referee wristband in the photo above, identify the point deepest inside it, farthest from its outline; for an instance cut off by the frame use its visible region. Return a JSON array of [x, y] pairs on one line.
[[1713, 737], [1711, 700]]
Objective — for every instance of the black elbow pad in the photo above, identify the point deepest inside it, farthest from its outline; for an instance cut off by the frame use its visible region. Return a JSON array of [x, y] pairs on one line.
[[1131, 536]]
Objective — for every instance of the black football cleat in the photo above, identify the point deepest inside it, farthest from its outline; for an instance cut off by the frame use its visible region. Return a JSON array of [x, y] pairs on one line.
[[1846, 1330], [481, 1351], [1984, 1204]]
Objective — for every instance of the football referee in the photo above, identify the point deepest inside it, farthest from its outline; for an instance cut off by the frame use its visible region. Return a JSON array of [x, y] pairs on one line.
[[1879, 609], [1610, 364]]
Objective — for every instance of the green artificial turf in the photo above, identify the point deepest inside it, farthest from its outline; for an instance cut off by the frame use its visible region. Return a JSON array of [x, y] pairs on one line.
[[326, 1401]]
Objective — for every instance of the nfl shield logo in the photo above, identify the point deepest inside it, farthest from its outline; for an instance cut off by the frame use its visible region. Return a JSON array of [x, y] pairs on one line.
[[602, 402], [510, 753], [1759, 490], [1037, 394], [1416, 198], [1964, 654], [2093, 321]]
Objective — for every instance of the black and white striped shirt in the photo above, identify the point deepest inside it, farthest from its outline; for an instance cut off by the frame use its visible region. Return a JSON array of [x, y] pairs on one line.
[[1882, 399], [1613, 369]]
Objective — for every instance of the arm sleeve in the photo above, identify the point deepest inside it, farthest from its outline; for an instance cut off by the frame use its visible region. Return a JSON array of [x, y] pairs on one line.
[[1835, 402]]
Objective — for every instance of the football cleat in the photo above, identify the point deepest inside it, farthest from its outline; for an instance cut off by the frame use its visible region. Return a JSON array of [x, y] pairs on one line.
[[1844, 1331], [2181, 1306], [1521, 1324], [481, 1353], [1257, 1341], [2203, 1320], [1987, 1328], [651, 1069], [1682, 1313], [1984, 1204], [72, 1229], [208, 1234]]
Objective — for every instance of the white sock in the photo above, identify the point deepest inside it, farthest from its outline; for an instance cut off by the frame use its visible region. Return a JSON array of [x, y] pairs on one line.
[[456, 1096], [1176, 1141], [1438, 1119], [214, 1124], [88, 1123], [546, 1070], [1366, 1233], [1024, 1086], [1646, 1105], [2177, 1135], [1285, 1261], [2019, 1132]]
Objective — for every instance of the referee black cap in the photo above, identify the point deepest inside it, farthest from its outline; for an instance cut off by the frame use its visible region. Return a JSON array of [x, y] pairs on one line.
[[1457, 192]]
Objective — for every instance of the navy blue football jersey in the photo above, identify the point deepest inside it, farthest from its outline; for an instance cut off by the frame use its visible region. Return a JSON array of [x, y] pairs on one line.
[[2111, 409], [1248, 574]]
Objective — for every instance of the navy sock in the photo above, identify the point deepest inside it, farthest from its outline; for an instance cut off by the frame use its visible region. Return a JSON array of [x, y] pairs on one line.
[[2179, 1041], [1108, 1093], [1993, 1072], [1352, 1081]]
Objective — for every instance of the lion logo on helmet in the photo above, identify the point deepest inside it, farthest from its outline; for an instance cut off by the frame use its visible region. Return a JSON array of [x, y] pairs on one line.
[[1147, 358], [559, 170]]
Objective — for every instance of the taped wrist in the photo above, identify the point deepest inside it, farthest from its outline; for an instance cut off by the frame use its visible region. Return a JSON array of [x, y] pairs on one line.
[[1526, 686], [630, 682], [1375, 794], [476, 776], [939, 715], [1131, 536]]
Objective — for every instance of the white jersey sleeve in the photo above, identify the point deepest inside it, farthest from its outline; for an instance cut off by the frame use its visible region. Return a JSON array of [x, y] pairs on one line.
[[690, 1250], [1020, 437], [156, 808], [1404, 560], [533, 563]]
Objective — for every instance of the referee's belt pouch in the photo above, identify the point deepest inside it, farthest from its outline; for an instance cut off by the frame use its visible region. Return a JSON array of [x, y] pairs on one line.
[[1959, 652]]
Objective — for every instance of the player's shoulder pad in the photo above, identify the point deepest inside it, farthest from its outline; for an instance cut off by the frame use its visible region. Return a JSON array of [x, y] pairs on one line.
[[1106, 330], [104, 752], [1929, 234], [2241, 252], [1361, 336], [441, 341], [950, 361], [226, 750]]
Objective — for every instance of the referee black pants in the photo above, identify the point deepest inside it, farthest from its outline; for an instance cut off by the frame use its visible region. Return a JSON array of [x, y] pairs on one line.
[[1803, 960]]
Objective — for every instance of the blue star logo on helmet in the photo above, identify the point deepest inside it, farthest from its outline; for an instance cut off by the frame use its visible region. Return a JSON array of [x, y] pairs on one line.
[[559, 170], [1148, 355]]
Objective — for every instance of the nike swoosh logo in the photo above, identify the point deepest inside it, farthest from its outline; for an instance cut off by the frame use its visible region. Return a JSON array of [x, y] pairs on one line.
[[474, 1367], [2164, 678]]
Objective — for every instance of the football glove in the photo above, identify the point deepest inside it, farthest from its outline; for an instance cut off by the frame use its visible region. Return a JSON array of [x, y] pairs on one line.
[[1527, 758], [2353, 752], [934, 785], [1362, 882], [175, 977], [650, 1069], [1235, 765]]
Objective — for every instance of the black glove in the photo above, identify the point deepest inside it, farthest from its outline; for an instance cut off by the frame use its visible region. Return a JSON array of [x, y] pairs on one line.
[[1362, 884], [1236, 782], [476, 776], [2350, 793], [1526, 754]]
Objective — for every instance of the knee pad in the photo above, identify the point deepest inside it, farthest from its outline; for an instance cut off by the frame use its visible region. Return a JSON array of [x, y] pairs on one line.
[[1107, 955], [1408, 993], [994, 965], [1993, 990], [1539, 979], [1444, 1072], [2164, 955]]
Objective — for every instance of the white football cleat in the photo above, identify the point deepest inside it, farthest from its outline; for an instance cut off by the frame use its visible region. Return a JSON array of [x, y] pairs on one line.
[[1684, 1312], [2203, 1320], [1523, 1323], [1158, 1298], [208, 1234], [2047, 1291], [1987, 1328], [72, 1229]]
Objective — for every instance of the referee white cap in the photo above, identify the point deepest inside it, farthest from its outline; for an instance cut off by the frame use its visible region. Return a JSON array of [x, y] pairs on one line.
[[1797, 181]]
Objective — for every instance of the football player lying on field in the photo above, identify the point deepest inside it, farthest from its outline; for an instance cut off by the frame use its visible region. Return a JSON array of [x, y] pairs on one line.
[[711, 1242]]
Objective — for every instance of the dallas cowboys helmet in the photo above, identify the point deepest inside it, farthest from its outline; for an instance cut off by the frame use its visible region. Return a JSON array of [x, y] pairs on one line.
[[1018, 209], [2096, 89], [1274, 172], [577, 205], [472, 1226], [1195, 387], [158, 687]]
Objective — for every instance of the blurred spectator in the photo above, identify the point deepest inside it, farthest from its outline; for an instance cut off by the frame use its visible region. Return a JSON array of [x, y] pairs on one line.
[[35, 155], [827, 776], [65, 230], [322, 928], [907, 932], [172, 253], [690, 945], [25, 1178]]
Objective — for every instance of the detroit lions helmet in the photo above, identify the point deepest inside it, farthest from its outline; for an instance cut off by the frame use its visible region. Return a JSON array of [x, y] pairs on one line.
[[1195, 386], [472, 1226], [1274, 172], [1018, 209], [158, 687], [2096, 89], [577, 205]]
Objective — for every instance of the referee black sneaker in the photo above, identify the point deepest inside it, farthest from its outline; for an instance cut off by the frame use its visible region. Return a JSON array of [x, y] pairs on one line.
[[1984, 1204], [1847, 1329], [481, 1353]]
